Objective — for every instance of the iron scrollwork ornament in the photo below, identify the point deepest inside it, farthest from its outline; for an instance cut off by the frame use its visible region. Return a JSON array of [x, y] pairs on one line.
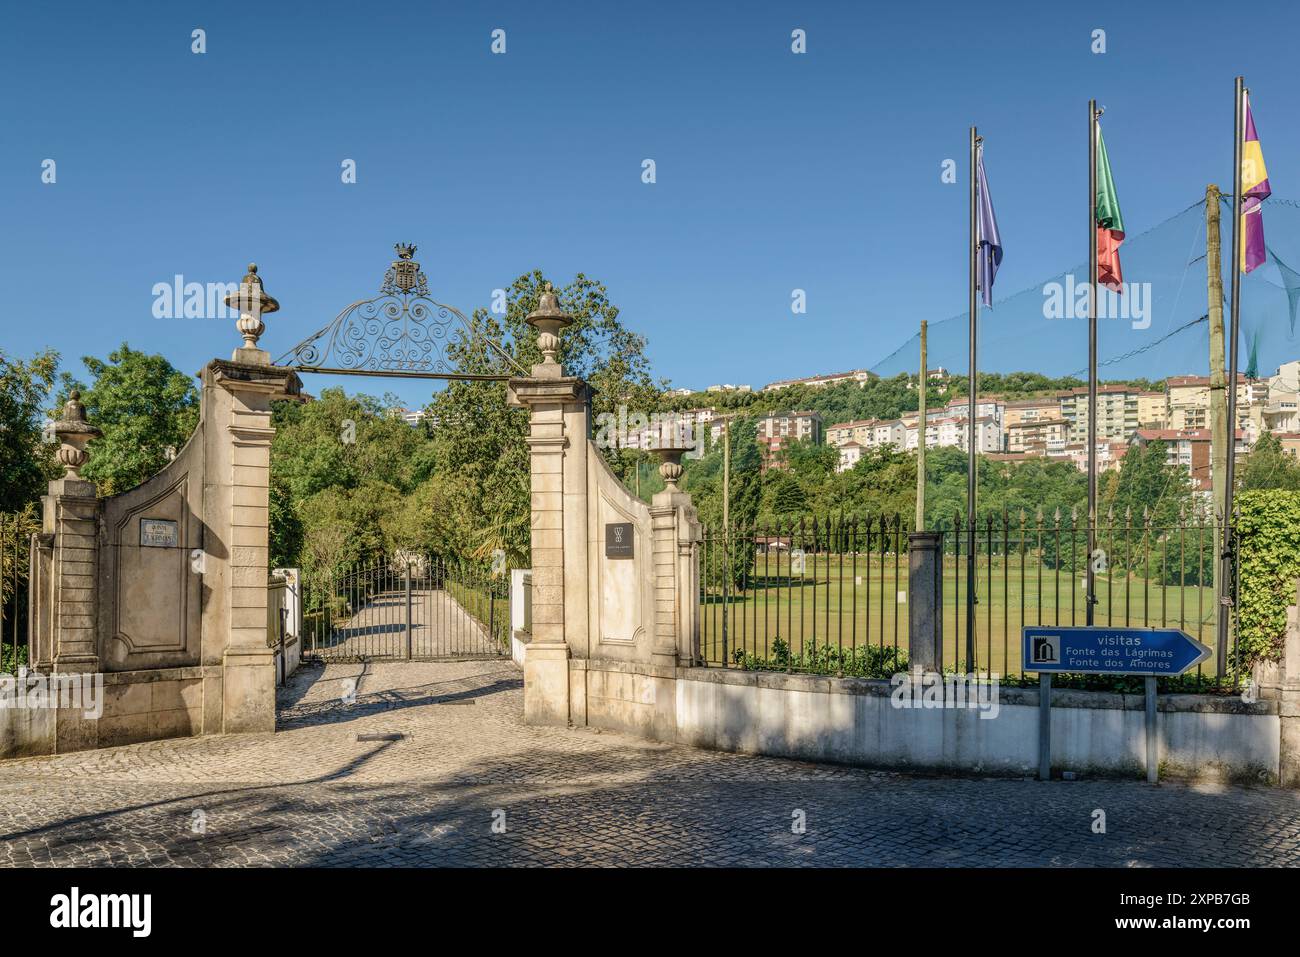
[[403, 330]]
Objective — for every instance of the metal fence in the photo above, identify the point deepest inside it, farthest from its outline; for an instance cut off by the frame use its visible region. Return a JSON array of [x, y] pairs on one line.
[[1032, 570], [823, 595], [15, 550], [830, 595], [407, 606]]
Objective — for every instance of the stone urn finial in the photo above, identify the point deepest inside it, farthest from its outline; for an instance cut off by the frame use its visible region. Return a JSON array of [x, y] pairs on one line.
[[73, 433], [548, 319], [252, 302], [672, 444]]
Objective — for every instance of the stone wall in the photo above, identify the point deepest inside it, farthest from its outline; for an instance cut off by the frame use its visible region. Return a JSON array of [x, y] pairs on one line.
[[162, 589], [852, 721], [614, 580], [614, 644]]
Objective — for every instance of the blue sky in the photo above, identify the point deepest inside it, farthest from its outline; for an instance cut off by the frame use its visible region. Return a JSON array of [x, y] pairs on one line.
[[775, 171]]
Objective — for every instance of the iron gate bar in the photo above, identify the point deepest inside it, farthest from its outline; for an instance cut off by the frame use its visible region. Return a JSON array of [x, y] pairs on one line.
[[384, 373], [402, 332]]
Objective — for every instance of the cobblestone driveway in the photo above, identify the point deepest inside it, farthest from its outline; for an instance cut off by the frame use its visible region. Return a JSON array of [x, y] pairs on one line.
[[312, 794]]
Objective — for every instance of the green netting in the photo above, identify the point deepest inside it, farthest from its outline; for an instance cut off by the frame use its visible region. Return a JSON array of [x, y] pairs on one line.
[[1155, 330]]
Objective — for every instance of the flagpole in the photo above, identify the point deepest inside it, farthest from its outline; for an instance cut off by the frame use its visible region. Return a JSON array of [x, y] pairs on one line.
[[1239, 134], [920, 442], [1093, 292], [970, 424]]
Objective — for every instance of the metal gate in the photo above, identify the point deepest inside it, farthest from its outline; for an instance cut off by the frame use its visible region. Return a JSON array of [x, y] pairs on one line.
[[407, 607]]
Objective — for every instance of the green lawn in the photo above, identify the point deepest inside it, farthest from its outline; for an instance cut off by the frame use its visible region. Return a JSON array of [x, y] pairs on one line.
[[854, 600]]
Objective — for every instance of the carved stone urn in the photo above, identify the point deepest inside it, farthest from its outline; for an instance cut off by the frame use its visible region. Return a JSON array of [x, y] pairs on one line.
[[549, 319], [74, 433]]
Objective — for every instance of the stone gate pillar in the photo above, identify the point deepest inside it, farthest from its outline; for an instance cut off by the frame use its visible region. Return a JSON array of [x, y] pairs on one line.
[[1280, 681], [559, 421], [677, 534], [615, 582], [160, 591], [71, 520], [237, 398]]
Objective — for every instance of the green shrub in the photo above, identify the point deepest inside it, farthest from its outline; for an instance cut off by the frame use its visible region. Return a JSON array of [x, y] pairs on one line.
[[7, 664], [1268, 566], [865, 661]]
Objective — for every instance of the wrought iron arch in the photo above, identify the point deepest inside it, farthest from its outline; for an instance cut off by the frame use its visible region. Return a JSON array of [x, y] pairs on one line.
[[401, 332]]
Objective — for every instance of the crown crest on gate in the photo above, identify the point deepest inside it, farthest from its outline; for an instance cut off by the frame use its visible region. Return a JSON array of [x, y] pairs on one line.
[[404, 276]]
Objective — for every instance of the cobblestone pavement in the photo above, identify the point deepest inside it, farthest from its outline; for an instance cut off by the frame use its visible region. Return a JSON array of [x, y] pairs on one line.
[[313, 794]]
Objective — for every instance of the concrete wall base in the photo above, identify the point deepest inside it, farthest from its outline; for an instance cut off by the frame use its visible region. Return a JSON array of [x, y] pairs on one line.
[[134, 706], [855, 721], [248, 691], [546, 683]]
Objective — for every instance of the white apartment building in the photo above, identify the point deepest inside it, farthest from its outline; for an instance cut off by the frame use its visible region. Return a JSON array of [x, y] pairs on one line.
[[951, 431], [1189, 401], [1117, 412], [1037, 435], [841, 433], [850, 453], [1281, 412], [860, 376], [891, 433], [1030, 410]]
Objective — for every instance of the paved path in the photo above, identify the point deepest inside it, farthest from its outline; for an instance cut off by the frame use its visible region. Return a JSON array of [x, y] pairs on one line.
[[313, 794], [440, 628]]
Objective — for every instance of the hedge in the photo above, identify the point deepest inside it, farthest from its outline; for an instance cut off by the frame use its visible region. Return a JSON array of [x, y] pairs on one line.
[[1268, 567]]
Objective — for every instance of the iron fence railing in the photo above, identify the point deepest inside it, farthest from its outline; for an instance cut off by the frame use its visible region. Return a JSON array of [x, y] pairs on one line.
[[16, 531], [830, 595], [824, 595], [1032, 570], [406, 606]]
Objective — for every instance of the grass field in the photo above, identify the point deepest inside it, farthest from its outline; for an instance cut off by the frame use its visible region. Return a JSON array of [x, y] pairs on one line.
[[851, 601]]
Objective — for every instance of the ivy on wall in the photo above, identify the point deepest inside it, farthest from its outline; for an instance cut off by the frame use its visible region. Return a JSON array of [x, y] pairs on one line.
[[1268, 526]]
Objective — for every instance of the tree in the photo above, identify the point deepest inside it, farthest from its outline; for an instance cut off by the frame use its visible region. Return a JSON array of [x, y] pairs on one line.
[[787, 497], [350, 445], [26, 462], [809, 462], [881, 482], [1269, 467], [482, 441], [731, 555], [1148, 485], [146, 409], [338, 441]]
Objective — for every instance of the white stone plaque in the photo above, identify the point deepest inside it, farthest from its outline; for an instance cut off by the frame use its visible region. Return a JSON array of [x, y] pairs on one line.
[[158, 533]]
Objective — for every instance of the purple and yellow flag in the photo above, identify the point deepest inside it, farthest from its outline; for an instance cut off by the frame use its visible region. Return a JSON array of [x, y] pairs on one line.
[[1254, 190]]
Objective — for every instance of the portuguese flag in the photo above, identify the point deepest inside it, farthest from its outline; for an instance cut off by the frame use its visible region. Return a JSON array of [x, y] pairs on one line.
[[1110, 222]]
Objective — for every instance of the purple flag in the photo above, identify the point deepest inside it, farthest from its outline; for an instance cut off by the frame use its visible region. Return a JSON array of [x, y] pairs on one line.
[[1254, 190], [988, 242]]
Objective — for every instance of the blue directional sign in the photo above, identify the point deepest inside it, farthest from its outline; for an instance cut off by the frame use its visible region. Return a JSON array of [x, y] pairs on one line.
[[1111, 651]]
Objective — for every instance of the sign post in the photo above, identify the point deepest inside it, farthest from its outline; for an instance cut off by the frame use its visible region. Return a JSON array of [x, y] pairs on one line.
[[1146, 652]]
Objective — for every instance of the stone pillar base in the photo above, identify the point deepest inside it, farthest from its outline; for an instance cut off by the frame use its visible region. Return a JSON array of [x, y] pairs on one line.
[[924, 600], [1289, 753], [546, 683], [73, 731], [248, 691]]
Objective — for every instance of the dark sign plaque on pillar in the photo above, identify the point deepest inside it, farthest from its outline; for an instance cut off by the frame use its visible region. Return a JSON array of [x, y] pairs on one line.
[[618, 540]]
